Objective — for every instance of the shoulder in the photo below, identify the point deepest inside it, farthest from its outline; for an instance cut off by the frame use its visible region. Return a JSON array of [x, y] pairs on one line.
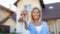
[[44, 23], [45, 27], [29, 23]]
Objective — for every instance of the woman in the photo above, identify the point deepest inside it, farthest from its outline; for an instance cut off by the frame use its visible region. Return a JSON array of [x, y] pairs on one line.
[[35, 25]]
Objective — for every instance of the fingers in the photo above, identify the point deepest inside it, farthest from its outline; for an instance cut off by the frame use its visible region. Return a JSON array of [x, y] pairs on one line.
[[24, 12], [23, 15]]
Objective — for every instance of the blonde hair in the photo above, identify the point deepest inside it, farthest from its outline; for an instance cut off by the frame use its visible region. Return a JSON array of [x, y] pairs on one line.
[[30, 17]]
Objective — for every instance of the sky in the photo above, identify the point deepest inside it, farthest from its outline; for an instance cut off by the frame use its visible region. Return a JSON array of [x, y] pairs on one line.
[[6, 3], [50, 1]]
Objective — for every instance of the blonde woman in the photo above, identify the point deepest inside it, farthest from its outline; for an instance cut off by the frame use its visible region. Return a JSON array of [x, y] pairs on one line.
[[35, 25]]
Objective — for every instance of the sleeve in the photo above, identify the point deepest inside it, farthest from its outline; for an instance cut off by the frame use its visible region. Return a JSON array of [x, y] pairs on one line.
[[46, 28], [28, 24]]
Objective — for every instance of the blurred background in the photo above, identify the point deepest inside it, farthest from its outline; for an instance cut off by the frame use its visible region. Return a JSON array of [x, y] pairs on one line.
[[10, 8], [7, 16]]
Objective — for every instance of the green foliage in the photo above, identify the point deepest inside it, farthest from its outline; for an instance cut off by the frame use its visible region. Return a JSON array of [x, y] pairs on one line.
[[2, 31], [13, 32]]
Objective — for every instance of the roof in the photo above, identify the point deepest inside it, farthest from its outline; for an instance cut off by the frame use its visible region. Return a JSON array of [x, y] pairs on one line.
[[42, 3], [2, 7], [51, 11], [16, 2], [13, 15]]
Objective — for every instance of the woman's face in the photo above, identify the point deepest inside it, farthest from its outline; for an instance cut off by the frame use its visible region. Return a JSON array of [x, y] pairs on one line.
[[35, 14]]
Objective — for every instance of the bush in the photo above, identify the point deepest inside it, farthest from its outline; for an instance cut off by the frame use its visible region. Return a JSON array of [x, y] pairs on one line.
[[2, 31], [13, 32]]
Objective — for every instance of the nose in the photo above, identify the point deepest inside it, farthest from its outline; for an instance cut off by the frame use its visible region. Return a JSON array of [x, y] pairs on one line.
[[36, 13]]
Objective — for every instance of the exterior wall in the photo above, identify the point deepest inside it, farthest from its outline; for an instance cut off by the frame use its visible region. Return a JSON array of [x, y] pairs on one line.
[[3, 14], [54, 26], [58, 26], [10, 21], [51, 25], [33, 3], [21, 29]]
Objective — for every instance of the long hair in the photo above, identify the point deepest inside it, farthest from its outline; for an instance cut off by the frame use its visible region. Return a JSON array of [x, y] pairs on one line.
[[40, 12]]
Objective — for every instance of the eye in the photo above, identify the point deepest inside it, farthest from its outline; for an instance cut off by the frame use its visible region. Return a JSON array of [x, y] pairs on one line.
[[33, 12], [37, 12]]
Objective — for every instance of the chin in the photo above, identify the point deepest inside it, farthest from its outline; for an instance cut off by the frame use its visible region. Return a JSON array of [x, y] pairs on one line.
[[35, 18]]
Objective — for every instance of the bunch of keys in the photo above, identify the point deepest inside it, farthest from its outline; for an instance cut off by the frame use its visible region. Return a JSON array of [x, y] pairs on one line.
[[23, 15]]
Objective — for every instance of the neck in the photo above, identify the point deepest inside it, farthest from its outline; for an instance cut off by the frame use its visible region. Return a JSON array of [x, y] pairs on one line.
[[36, 22]]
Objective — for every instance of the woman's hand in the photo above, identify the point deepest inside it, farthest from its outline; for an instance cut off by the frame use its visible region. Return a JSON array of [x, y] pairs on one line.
[[23, 15]]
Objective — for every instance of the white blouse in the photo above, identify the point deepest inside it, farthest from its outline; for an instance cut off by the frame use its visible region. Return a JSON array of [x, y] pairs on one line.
[[38, 28]]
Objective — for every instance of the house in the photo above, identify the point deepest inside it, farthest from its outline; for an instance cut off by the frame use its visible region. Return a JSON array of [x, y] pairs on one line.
[[7, 19], [51, 14]]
